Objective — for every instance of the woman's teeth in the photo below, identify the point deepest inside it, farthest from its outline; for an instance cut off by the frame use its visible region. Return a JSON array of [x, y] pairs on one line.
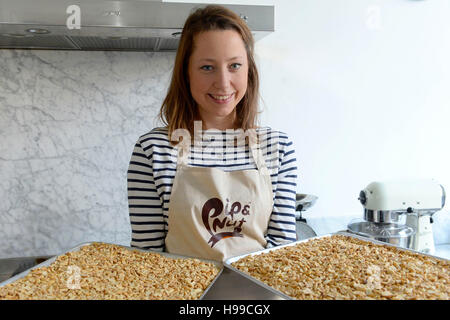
[[221, 97]]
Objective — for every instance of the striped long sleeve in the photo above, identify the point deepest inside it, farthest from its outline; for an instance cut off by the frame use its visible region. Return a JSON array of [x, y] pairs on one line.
[[146, 210], [281, 227], [152, 170]]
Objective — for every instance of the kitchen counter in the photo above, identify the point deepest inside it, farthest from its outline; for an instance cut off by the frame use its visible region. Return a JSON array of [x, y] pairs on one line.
[[12, 266], [443, 251]]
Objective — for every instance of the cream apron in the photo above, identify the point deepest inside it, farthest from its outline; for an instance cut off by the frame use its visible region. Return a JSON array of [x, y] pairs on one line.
[[215, 214]]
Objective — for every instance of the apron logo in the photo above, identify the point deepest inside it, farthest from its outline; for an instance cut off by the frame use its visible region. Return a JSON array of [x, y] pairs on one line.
[[215, 206]]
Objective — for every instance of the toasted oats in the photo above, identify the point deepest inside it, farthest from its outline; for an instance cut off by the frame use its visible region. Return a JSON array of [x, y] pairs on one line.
[[111, 272], [342, 267]]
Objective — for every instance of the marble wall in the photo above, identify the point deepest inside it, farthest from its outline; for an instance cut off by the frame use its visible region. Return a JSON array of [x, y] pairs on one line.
[[68, 124]]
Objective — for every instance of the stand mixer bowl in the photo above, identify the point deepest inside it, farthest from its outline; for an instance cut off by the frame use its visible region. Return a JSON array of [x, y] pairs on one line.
[[392, 233]]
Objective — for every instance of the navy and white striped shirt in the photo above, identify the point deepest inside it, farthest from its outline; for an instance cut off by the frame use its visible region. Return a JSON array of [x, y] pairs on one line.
[[153, 166]]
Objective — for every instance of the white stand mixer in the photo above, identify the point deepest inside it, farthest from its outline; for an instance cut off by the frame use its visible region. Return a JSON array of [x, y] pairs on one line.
[[385, 203]]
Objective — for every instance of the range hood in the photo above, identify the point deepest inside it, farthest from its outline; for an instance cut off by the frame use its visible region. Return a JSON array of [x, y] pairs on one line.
[[132, 25]]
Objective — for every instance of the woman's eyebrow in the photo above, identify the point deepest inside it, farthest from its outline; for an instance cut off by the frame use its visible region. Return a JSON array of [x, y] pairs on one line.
[[212, 60]]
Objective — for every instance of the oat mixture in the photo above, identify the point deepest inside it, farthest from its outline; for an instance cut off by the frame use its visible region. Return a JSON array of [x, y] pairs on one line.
[[340, 267], [105, 271]]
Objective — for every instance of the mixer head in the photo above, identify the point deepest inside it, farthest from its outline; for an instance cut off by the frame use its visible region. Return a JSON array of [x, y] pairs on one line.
[[386, 201]]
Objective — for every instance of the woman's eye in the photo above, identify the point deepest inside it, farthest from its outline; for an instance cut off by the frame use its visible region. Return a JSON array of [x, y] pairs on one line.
[[233, 66], [236, 66]]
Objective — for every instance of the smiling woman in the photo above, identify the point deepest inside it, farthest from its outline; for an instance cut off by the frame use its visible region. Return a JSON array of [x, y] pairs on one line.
[[224, 198], [218, 83], [214, 58]]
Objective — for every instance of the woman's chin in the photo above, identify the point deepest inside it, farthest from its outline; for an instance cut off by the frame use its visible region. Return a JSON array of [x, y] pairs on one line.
[[219, 112]]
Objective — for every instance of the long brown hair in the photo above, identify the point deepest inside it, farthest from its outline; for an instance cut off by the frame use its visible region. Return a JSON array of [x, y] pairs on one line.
[[179, 109]]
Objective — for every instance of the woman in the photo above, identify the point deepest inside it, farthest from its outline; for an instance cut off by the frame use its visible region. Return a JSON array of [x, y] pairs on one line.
[[220, 195]]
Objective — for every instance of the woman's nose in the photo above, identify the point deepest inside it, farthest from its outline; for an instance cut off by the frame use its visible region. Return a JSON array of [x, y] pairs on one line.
[[222, 79]]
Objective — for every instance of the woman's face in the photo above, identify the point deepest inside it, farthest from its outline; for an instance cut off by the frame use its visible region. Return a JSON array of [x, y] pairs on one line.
[[218, 73]]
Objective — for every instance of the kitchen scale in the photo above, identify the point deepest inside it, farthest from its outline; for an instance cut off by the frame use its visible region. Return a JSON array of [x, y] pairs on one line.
[[302, 203]]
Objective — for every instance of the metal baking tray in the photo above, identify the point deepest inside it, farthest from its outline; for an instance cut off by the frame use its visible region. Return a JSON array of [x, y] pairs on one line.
[[78, 247], [229, 261]]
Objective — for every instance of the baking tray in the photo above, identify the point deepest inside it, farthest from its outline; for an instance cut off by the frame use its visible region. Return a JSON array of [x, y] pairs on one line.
[[229, 261], [78, 247]]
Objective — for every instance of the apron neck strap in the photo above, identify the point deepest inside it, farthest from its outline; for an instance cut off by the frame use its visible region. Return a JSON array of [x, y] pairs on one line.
[[256, 152], [259, 160]]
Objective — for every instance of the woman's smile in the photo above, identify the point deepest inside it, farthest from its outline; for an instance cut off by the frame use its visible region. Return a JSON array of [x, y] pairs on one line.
[[221, 99]]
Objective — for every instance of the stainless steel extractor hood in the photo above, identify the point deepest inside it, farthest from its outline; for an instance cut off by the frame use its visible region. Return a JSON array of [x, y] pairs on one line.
[[132, 25]]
